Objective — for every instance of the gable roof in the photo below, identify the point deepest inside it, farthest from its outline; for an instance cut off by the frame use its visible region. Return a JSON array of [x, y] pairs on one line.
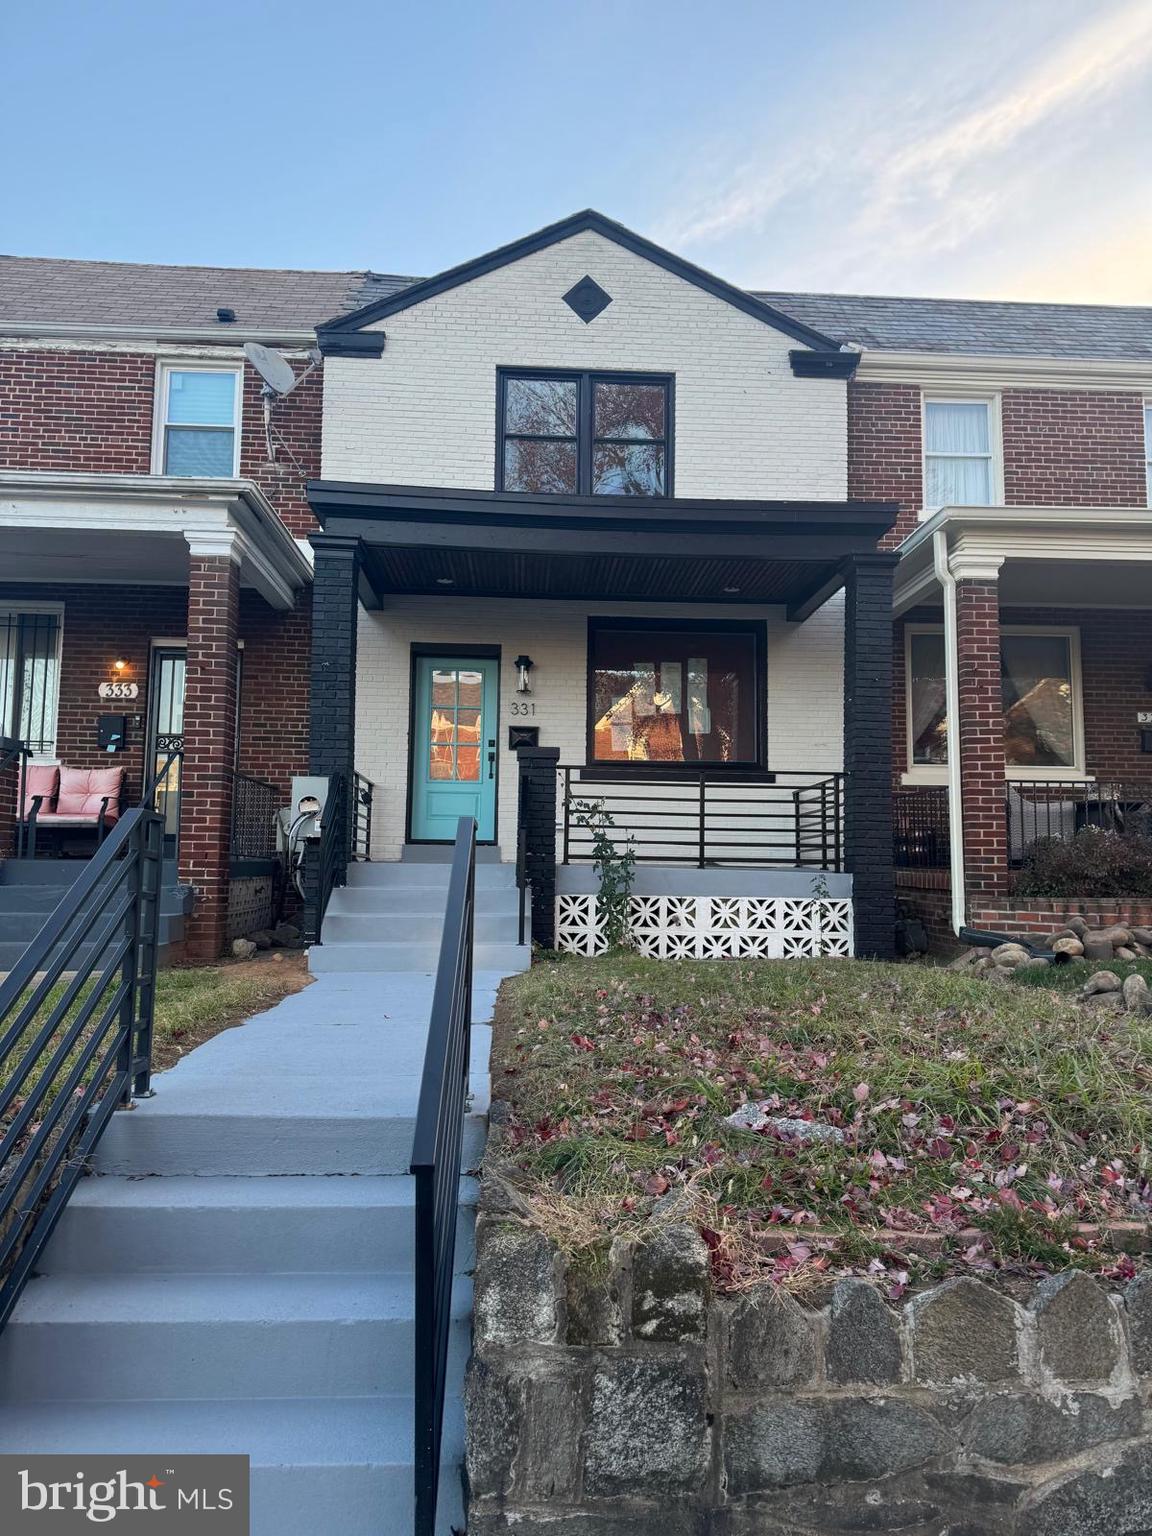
[[588, 221], [44, 291], [975, 326]]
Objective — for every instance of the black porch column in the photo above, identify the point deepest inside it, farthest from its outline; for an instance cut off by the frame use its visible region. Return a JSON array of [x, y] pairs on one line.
[[868, 751], [332, 695], [537, 820]]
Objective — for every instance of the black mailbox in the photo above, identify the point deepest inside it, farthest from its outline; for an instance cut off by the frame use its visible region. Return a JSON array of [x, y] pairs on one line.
[[111, 732]]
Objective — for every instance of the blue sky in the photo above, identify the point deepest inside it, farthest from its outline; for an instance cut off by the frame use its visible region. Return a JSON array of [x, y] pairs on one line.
[[981, 149]]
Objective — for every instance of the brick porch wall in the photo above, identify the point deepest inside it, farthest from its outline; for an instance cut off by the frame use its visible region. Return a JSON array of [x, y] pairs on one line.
[[981, 739]]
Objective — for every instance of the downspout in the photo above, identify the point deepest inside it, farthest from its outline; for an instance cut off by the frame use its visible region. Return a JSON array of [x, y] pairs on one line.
[[952, 704]]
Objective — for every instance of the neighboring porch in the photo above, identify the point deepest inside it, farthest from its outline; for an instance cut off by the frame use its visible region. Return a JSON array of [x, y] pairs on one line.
[[686, 666], [1031, 629], [150, 634]]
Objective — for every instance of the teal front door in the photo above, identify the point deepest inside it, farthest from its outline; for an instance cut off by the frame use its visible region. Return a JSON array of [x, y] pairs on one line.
[[454, 747]]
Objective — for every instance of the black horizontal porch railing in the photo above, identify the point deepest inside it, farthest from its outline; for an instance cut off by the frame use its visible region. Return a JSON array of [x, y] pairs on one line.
[[436, 1150], [255, 804], [920, 827], [1059, 808], [788, 819], [362, 789], [75, 1036]]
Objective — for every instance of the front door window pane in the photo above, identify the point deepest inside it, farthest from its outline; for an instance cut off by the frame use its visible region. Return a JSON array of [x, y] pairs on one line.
[[454, 726], [1036, 679], [929, 723], [674, 696]]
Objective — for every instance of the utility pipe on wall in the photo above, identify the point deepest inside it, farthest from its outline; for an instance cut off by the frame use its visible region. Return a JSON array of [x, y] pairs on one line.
[[952, 704]]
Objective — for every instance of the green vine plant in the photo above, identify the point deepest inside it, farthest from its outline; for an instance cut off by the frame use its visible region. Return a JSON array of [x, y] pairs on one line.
[[615, 866]]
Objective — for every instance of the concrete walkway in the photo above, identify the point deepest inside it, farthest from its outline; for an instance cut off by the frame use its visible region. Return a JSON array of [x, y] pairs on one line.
[[239, 1275]]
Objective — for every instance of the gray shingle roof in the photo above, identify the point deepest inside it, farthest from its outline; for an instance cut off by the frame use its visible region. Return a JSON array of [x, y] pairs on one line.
[[1100, 331], [42, 290]]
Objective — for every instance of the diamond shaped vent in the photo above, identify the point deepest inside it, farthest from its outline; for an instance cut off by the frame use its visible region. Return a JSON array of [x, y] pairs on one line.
[[587, 299]]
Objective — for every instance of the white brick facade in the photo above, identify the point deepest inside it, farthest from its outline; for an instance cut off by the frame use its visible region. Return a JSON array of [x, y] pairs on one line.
[[424, 413], [805, 681]]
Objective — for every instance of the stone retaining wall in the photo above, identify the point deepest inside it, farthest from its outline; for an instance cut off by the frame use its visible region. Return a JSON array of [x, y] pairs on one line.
[[622, 1398]]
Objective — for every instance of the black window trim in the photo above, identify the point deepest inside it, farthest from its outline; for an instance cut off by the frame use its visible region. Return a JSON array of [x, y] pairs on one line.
[[746, 769], [585, 439]]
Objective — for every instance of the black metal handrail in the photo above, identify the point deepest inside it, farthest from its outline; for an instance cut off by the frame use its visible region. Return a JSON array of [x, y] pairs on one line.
[[326, 858], [436, 1150], [255, 805], [920, 827], [522, 881], [16, 754], [361, 817], [786, 819], [69, 1057]]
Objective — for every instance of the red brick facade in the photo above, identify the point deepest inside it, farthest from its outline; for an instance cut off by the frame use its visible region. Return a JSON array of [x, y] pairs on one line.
[[981, 739], [91, 412], [1073, 448], [884, 456]]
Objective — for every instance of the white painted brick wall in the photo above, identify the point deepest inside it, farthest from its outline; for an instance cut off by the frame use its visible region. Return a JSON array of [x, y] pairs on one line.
[[425, 412], [805, 680]]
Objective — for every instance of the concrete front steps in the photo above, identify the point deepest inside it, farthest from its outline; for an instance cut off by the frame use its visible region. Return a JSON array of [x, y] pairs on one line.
[[31, 889], [216, 1288], [390, 916]]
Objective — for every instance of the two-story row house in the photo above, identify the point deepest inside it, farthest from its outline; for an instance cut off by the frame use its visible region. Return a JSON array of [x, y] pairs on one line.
[[576, 533]]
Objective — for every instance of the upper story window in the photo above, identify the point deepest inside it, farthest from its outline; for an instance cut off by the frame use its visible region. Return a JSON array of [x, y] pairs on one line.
[[959, 453], [199, 422], [585, 434]]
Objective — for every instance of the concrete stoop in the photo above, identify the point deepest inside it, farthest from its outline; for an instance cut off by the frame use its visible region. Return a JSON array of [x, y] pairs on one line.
[[238, 1276]]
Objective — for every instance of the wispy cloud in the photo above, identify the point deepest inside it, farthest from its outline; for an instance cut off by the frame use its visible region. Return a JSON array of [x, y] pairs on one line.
[[942, 173]]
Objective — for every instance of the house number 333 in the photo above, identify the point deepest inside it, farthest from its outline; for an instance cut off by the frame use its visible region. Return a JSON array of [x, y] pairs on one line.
[[523, 707]]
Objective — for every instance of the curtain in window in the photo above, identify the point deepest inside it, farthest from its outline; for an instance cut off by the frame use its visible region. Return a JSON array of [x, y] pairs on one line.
[[958, 454], [199, 431]]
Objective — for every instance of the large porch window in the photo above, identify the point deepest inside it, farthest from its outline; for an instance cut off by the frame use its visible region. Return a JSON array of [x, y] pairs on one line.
[[1040, 689], [673, 694], [30, 677], [585, 434]]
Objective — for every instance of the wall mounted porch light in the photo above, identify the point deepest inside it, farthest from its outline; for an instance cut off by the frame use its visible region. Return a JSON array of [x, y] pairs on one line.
[[524, 665]]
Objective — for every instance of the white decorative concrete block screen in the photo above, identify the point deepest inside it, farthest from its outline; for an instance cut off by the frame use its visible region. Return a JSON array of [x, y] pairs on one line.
[[713, 927]]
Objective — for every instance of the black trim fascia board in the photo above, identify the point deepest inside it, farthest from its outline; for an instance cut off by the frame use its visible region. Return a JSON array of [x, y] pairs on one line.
[[334, 343], [587, 221], [366, 501], [824, 365], [756, 628], [697, 543]]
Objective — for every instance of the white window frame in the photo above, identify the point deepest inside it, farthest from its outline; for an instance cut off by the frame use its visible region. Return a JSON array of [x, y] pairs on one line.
[[1148, 450], [7, 608], [995, 454], [164, 371], [937, 773]]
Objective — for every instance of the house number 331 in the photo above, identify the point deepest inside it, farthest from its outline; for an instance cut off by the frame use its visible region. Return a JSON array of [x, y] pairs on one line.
[[523, 707]]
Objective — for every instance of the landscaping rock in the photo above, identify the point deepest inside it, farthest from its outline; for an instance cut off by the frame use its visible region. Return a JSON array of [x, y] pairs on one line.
[[966, 961], [1036, 963], [775, 1444], [754, 1117], [1116, 935], [1070, 948], [670, 1285], [1142, 936], [1010, 955], [863, 1342], [1125, 952], [1019, 1428], [1138, 1302], [1077, 925], [1096, 948], [647, 1432], [771, 1341], [243, 949], [1077, 1328], [286, 935], [1112, 1498], [963, 1333], [1100, 981], [516, 1290], [262, 938], [1137, 998], [877, 1436]]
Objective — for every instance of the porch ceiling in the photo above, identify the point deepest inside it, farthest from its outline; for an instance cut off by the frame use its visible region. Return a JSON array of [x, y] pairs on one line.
[[475, 543], [140, 529]]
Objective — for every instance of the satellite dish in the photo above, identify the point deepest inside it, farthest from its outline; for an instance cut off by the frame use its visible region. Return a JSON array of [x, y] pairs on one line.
[[272, 368]]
